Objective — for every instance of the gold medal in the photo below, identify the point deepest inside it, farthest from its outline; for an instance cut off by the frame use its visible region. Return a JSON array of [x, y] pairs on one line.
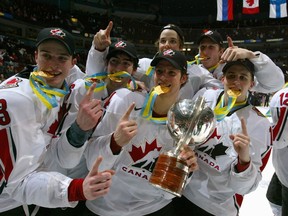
[[161, 89], [43, 74], [115, 78], [234, 93]]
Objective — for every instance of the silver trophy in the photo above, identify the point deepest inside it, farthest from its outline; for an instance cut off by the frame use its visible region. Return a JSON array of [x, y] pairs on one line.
[[190, 122]]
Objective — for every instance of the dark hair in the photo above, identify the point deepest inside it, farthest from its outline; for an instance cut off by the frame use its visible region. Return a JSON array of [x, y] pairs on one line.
[[177, 29], [119, 52]]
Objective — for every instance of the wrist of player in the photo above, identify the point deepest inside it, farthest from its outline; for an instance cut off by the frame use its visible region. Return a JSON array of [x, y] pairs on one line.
[[75, 190]]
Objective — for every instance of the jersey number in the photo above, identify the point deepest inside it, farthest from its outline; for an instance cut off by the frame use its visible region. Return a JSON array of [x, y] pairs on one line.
[[284, 99], [4, 115]]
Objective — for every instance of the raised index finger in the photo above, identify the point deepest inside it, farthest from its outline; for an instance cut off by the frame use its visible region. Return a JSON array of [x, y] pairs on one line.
[[128, 112], [109, 28], [230, 42], [244, 127], [90, 92], [95, 167]]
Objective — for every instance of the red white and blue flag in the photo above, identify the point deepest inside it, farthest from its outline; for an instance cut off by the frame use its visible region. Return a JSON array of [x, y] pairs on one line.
[[278, 9], [250, 7], [224, 10]]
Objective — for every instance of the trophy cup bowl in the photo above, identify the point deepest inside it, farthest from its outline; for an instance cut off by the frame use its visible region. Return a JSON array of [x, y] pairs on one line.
[[189, 122]]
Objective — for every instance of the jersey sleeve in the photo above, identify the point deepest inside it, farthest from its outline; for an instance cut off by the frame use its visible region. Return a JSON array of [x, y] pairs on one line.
[[279, 112], [100, 142], [24, 148], [95, 61], [269, 77]]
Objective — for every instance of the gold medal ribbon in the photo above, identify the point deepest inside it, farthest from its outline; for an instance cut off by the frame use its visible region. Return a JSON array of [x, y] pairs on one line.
[[44, 92], [147, 109], [101, 85], [221, 111], [97, 77], [150, 71], [211, 69]]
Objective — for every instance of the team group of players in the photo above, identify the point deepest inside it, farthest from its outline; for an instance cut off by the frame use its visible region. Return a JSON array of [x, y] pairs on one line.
[[90, 141]]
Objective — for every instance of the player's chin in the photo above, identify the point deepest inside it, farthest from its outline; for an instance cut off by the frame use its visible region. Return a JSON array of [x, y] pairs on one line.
[[55, 82]]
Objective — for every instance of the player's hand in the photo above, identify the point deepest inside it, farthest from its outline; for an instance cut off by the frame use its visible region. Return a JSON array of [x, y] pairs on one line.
[[126, 128], [102, 38], [233, 53], [189, 156], [241, 143], [97, 184], [90, 110]]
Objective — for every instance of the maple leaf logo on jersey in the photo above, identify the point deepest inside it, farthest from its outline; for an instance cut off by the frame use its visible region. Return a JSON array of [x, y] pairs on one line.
[[250, 2], [58, 33], [213, 150], [145, 159], [217, 150], [11, 83]]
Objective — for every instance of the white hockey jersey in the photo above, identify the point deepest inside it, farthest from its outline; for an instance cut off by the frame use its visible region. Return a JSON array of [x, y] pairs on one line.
[[72, 102], [130, 193], [268, 76], [279, 112], [214, 185], [26, 128]]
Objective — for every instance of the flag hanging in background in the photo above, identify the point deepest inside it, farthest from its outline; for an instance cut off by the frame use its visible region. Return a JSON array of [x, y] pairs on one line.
[[250, 7], [224, 10], [278, 9]]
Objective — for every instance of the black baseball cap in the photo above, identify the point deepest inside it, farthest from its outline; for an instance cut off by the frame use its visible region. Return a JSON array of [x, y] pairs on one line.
[[244, 62], [123, 46], [175, 28], [176, 58], [58, 34], [213, 35]]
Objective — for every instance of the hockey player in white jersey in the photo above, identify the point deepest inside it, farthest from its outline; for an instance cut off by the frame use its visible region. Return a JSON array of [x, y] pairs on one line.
[[121, 63], [279, 109], [230, 161], [213, 55], [171, 37], [131, 137], [29, 116]]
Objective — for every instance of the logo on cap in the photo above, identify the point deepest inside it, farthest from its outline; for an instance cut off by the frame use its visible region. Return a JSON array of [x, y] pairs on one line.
[[168, 52], [58, 33], [208, 32], [121, 44]]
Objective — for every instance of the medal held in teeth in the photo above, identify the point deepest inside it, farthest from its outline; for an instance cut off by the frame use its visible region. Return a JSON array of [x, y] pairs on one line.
[[161, 89], [234, 93], [42, 74]]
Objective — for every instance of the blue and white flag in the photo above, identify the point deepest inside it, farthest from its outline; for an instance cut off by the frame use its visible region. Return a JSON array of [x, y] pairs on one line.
[[278, 9], [224, 10]]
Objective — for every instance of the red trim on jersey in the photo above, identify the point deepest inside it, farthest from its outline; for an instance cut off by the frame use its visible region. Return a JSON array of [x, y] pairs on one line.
[[242, 167], [7, 156], [265, 158], [75, 190], [115, 148], [278, 128]]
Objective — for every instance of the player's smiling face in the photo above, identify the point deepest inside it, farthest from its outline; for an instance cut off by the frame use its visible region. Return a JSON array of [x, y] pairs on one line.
[[167, 75], [53, 58], [119, 63], [211, 51], [169, 39]]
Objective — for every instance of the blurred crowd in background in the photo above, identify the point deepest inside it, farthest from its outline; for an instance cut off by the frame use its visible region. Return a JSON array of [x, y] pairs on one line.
[[14, 54]]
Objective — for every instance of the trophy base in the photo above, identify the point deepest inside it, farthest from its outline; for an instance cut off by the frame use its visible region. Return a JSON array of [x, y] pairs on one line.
[[170, 174]]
